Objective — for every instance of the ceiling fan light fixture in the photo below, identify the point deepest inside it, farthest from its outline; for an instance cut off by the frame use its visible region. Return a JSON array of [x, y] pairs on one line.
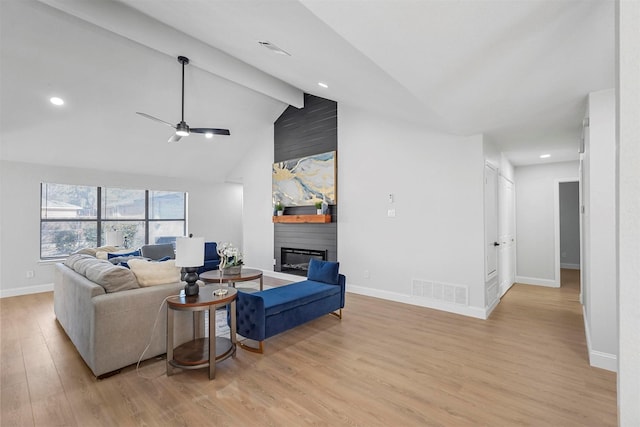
[[182, 129]]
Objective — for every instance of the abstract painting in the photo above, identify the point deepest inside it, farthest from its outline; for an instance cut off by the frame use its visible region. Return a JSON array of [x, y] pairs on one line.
[[305, 181]]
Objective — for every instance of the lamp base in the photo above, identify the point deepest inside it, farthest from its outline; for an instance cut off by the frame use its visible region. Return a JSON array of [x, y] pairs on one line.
[[192, 288]]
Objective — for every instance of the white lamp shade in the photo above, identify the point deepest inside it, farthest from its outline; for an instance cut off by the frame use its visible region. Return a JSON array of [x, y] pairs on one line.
[[189, 251], [113, 238]]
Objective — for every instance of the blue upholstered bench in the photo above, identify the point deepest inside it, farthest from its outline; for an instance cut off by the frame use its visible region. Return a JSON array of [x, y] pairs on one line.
[[266, 313]]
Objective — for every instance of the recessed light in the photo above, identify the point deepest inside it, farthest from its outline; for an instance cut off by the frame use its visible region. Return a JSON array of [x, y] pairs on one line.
[[545, 156], [208, 135], [324, 85], [56, 101]]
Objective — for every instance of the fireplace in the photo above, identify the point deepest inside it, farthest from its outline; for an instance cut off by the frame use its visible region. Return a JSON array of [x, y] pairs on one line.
[[296, 261]]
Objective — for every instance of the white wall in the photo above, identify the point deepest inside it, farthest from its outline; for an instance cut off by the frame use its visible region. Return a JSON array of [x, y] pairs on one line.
[[599, 219], [437, 234], [535, 221], [437, 185], [255, 172], [569, 225], [214, 212], [629, 213]]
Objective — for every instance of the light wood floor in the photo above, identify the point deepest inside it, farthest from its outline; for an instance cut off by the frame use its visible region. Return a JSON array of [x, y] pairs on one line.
[[384, 364]]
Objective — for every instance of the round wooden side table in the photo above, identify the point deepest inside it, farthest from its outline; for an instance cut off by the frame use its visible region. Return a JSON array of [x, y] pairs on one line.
[[245, 275], [202, 352]]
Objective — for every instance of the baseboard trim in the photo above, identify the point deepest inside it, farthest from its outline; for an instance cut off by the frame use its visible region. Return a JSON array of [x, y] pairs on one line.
[[538, 282], [503, 289], [570, 266], [16, 292], [489, 310], [598, 359], [602, 360], [475, 312]]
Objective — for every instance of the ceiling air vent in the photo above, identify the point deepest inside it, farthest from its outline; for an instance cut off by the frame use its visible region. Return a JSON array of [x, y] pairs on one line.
[[272, 47]]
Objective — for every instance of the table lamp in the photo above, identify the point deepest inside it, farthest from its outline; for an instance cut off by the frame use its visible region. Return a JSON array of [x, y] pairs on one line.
[[113, 238], [190, 255]]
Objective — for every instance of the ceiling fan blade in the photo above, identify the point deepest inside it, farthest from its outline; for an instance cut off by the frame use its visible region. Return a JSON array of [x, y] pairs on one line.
[[175, 138], [211, 130], [155, 118]]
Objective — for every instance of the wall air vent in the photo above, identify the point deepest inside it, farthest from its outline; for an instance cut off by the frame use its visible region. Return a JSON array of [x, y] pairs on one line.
[[272, 47], [452, 294]]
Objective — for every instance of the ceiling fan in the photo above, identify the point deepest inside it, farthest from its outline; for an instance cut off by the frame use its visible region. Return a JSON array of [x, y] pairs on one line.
[[182, 129]]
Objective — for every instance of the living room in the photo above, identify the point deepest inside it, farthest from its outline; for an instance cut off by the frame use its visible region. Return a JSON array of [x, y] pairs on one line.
[[435, 177]]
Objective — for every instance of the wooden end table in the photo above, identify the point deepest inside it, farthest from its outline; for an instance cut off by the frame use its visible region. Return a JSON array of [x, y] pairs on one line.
[[201, 351], [245, 275]]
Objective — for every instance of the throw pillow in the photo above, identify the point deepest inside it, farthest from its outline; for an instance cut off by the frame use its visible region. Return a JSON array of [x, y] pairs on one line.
[[123, 253], [120, 259], [111, 277], [323, 271], [151, 273]]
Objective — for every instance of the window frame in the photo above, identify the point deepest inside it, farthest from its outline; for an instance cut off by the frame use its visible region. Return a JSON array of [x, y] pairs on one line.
[[100, 221]]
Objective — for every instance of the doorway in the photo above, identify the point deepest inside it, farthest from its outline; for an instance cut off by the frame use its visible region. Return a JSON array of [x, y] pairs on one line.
[[491, 235], [506, 235], [567, 237]]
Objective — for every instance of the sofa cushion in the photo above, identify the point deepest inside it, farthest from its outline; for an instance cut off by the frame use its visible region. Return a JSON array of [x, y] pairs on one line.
[[72, 259], [323, 271], [93, 251], [151, 273], [277, 300], [81, 265], [158, 251], [112, 278]]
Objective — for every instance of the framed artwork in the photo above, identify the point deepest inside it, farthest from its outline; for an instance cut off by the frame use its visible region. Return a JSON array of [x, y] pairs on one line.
[[305, 181]]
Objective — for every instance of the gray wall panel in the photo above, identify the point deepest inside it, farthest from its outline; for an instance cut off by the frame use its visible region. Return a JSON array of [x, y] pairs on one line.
[[299, 133]]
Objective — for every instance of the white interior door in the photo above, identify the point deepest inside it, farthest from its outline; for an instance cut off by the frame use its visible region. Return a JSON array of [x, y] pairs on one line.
[[491, 220], [506, 235]]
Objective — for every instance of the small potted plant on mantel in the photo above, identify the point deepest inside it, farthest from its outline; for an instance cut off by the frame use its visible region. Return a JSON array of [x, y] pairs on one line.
[[318, 208], [279, 209]]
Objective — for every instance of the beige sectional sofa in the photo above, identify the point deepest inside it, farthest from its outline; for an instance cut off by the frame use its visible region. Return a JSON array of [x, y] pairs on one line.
[[109, 317]]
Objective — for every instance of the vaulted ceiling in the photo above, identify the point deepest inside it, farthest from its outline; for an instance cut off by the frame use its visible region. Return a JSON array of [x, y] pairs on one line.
[[517, 71]]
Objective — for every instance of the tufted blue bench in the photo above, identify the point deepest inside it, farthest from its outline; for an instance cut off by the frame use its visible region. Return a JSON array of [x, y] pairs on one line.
[[266, 313]]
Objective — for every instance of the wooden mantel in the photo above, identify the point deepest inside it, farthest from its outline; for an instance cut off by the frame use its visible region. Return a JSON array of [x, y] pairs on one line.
[[301, 219]]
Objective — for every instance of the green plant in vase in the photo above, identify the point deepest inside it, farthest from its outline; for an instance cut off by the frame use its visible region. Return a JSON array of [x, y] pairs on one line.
[[318, 208], [279, 209]]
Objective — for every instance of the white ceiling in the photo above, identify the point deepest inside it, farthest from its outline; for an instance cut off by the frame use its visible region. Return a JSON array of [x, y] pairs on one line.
[[517, 71]]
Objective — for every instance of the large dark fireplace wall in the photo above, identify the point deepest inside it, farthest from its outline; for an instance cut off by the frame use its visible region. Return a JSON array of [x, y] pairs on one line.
[[299, 133]]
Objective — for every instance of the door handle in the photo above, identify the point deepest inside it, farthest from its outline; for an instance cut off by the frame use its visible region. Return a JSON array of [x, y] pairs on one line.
[[496, 244]]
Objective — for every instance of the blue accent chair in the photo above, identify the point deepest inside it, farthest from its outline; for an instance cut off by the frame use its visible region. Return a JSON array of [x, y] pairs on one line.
[[211, 257]]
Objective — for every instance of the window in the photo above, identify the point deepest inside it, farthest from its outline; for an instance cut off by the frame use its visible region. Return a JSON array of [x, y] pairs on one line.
[[77, 216]]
